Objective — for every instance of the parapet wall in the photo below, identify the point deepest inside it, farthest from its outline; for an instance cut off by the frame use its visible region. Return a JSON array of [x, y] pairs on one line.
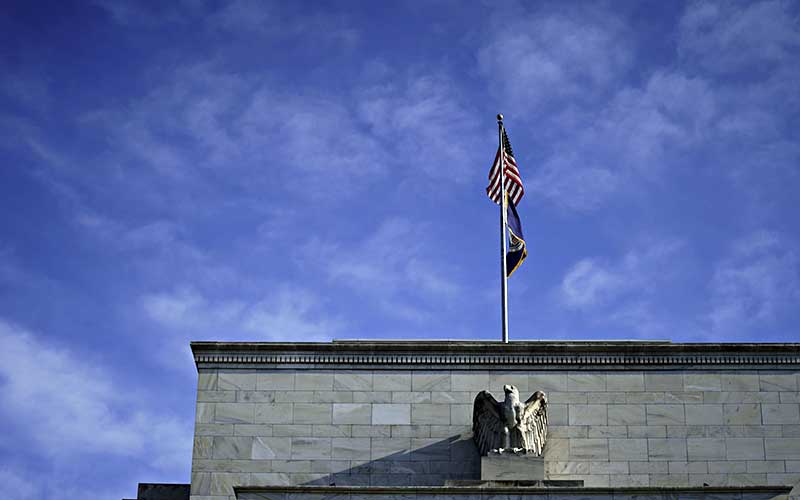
[[400, 414]]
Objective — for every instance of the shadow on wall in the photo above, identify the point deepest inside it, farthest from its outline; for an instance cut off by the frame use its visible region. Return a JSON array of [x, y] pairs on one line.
[[452, 458]]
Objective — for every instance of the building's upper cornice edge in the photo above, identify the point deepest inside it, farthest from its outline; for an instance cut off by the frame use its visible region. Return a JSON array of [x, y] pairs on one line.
[[517, 354]]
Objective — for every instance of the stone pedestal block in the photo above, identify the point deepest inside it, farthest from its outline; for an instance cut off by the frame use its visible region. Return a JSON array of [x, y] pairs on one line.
[[512, 468]]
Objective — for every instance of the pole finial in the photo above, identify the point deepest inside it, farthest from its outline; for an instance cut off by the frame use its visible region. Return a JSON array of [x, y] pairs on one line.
[[499, 117]]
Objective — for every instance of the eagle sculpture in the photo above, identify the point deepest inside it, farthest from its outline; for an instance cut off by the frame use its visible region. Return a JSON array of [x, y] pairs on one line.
[[511, 425]]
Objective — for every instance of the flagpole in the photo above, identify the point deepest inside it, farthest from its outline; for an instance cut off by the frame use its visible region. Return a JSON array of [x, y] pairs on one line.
[[503, 224]]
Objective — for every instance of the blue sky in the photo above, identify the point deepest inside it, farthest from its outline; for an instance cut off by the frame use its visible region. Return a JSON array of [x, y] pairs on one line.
[[176, 171]]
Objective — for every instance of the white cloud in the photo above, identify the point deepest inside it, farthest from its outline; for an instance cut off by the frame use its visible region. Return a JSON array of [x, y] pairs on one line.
[[624, 291], [38, 483], [589, 283], [539, 59], [287, 313], [397, 246], [425, 120], [727, 37], [396, 266], [756, 284], [276, 20], [70, 407], [200, 124], [14, 484], [626, 144]]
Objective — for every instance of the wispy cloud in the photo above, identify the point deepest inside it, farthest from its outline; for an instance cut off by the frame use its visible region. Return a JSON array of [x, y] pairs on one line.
[[756, 284], [602, 135], [541, 59], [624, 291], [276, 20], [135, 14], [729, 37], [396, 267], [626, 144], [593, 282], [201, 124], [285, 314], [427, 121], [607, 133], [70, 407]]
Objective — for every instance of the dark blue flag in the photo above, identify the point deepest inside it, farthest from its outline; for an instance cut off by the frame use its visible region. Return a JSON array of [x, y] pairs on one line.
[[516, 244]]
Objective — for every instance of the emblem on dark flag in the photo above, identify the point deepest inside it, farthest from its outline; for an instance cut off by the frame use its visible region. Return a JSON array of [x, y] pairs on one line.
[[517, 251]]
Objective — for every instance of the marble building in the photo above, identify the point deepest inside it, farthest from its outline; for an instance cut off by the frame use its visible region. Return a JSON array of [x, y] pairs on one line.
[[393, 419]]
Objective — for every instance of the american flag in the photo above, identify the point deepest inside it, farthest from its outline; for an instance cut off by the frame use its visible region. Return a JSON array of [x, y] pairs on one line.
[[513, 179]]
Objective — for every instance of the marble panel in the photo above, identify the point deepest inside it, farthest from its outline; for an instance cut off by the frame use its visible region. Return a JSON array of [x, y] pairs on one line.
[[666, 449], [745, 449], [313, 381], [780, 413], [430, 414], [430, 381], [547, 382], [704, 414], [274, 413], [782, 449], [236, 381], [588, 449], [472, 382], [665, 414], [742, 414], [586, 382], [352, 381], [391, 381], [777, 382], [352, 413], [351, 448], [270, 448], [705, 449], [312, 413], [625, 382], [702, 382], [663, 382], [252, 429], [580, 414], [740, 382], [627, 449], [234, 413], [232, 447], [275, 381], [311, 448], [392, 414]]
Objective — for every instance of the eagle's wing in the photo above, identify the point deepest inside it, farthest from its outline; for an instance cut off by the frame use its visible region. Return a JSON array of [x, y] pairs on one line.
[[487, 424], [534, 422]]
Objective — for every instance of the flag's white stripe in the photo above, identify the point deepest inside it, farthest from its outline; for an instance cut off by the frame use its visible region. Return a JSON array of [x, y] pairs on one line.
[[514, 186], [495, 183], [511, 192], [513, 175]]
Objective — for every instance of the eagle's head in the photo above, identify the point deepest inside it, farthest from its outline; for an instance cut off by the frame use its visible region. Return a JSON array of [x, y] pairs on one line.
[[510, 390], [540, 396]]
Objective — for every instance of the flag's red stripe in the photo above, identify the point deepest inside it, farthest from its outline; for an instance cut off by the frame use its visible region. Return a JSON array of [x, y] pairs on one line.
[[514, 186]]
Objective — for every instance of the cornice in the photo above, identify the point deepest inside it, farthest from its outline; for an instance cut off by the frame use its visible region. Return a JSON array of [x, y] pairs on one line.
[[515, 355]]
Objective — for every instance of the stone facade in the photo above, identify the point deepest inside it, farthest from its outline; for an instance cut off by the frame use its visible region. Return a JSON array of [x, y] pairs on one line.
[[729, 418]]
